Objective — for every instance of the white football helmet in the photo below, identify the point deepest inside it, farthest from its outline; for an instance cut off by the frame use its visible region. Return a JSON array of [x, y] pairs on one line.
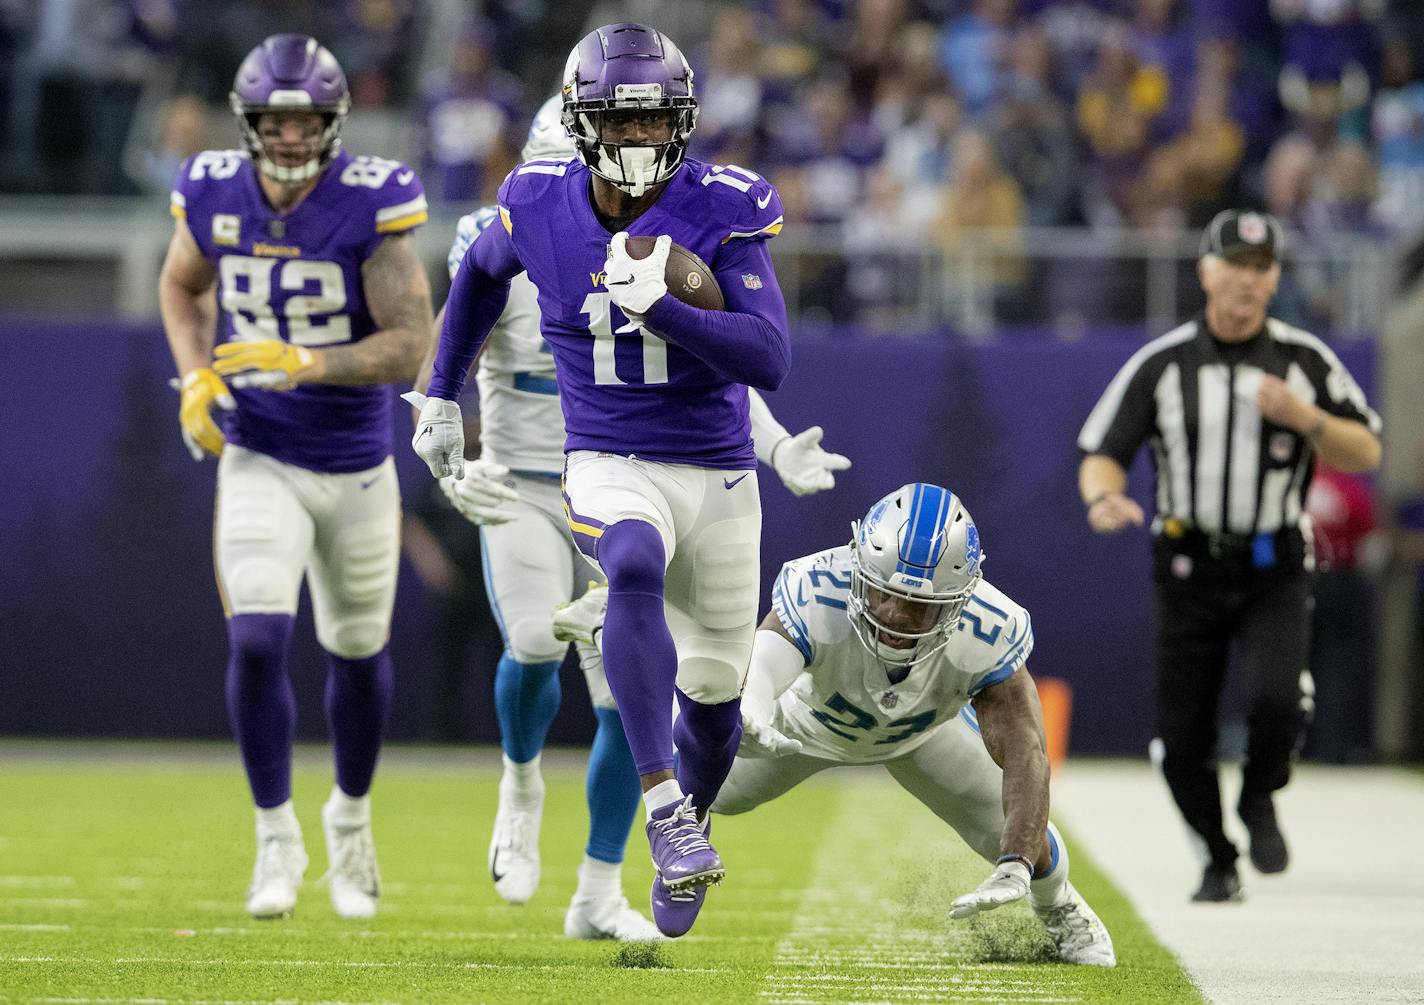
[[548, 139], [920, 544]]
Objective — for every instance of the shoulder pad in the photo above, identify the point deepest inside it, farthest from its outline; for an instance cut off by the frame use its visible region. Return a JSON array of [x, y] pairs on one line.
[[393, 191], [532, 180], [745, 199], [199, 173], [995, 637], [810, 599]]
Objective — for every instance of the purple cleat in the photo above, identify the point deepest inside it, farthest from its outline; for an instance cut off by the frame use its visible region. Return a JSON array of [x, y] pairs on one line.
[[686, 864]]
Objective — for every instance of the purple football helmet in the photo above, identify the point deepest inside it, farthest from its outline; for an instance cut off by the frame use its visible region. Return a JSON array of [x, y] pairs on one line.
[[622, 68], [288, 73]]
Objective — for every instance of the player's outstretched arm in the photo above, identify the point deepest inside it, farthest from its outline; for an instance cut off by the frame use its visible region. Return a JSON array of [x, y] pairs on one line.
[[776, 663], [798, 461], [185, 300], [1011, 725]]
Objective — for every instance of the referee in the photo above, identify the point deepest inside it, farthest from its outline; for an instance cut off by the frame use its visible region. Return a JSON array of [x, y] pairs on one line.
[[1236, 406]]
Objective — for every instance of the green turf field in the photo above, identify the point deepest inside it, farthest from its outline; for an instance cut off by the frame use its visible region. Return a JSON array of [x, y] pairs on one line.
[[122, 870]]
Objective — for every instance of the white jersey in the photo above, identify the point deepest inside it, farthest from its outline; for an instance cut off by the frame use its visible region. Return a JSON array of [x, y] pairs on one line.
[[843, 706], [521, 423]]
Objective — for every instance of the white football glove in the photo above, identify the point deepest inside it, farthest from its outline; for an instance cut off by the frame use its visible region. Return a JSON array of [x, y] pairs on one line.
[[762, 739], [439, 437], [803, 466], [1008, 883], [482, 496], [635, 284]]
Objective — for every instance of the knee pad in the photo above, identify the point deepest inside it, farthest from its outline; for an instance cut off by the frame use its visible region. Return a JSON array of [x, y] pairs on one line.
[[257, 585], [725, 569], [531, 640], [712, 671], [355, 638]]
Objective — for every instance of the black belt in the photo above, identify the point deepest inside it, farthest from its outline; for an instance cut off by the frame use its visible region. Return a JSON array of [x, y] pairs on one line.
[[1265, 550]]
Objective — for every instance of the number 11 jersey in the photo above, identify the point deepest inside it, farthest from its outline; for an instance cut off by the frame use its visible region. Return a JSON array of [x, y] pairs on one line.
[[296, 276]]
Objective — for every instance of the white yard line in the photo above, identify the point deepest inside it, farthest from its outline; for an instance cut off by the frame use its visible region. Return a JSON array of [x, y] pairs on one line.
[[843, 920], [1344, 924]]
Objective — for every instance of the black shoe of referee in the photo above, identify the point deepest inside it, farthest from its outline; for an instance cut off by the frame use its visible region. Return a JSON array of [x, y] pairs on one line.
[[1268, 844], [1219, 884]]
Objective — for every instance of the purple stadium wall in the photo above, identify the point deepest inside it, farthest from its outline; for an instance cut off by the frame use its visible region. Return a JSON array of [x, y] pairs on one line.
[[110, 624]]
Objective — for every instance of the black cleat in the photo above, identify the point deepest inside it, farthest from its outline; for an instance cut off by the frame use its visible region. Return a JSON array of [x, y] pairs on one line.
[[1219, 884], [1268, 844]]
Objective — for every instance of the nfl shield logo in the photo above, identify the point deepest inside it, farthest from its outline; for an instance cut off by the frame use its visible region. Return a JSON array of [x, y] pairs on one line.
[[751, 280], [889, 699]]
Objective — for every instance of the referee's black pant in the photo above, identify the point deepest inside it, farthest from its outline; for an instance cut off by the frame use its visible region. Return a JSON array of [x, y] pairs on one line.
[[1204, 604]]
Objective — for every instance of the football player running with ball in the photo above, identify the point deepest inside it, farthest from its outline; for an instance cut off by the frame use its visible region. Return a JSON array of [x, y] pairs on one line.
[[660, 487], [532, 566], [894, 650], [320, 301]]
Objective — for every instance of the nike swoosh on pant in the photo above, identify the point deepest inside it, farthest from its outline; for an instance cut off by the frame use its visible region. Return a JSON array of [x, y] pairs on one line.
[[733, 483]]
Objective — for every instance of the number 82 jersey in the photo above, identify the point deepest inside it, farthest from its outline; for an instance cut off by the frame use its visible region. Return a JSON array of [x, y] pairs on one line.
[[297, 277], [843, 706]]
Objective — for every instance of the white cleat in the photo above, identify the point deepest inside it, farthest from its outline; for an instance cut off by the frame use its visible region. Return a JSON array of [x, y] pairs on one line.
[[514, 848], [1077, 932], [577, 620], [608, 918], [281, 861], [352, 875]]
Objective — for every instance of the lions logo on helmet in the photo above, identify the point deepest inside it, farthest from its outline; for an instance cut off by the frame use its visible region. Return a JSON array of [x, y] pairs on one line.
[[622, 68], [920, 545], [290, 73]]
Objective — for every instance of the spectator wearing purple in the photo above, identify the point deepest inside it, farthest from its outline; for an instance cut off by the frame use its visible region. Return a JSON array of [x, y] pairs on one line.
[[833, 142], [472, 116], [730, 90]]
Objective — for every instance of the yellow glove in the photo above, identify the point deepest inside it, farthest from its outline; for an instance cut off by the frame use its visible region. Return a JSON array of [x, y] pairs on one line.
[[266, 363], [202, 389]]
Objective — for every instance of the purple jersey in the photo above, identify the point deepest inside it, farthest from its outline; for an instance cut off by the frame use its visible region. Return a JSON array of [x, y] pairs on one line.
[[682, 399], [297, 277]]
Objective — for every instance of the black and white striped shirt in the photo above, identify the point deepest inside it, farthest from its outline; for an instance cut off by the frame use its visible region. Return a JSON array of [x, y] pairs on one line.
[[1220, 465]]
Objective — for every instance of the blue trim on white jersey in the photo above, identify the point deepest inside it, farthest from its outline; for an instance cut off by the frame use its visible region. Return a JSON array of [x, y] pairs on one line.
[[1012, 660], [489, 590], [791, 620], [974, 599], [967, 714], [535, 384]]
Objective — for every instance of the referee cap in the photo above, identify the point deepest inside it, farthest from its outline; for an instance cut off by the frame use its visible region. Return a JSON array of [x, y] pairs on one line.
[[1244, 237]]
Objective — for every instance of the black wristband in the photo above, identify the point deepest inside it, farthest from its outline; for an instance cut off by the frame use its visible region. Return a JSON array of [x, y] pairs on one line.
[[1027, 862]]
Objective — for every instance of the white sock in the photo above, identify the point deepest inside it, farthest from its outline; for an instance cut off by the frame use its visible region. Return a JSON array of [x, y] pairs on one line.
[[599, 880], [348, 809], [279, 820], [661, 794], [522, 783]]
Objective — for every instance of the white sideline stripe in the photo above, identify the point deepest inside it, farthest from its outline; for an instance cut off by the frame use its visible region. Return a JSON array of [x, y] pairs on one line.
[[35, 928], [341, 964], [36, 882]]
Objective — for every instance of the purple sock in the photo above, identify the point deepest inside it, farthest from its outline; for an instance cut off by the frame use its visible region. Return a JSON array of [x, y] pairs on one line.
[[358, 703], [260, 703], [638, 652], [707, 737]]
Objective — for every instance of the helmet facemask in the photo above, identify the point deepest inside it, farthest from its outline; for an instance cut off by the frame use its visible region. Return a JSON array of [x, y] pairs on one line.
[[631, 167], [293, 175], [932, 633]]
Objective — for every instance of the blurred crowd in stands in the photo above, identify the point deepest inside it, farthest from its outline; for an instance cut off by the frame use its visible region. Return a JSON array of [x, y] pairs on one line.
[[897, 121]]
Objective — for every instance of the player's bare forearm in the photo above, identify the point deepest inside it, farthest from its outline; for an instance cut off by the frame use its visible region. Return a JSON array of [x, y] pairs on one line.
[[186, 302], [398, 297], [1011, 725]]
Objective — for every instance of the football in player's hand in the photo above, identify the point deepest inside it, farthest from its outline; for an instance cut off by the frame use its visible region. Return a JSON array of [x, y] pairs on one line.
[[688, 278]]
